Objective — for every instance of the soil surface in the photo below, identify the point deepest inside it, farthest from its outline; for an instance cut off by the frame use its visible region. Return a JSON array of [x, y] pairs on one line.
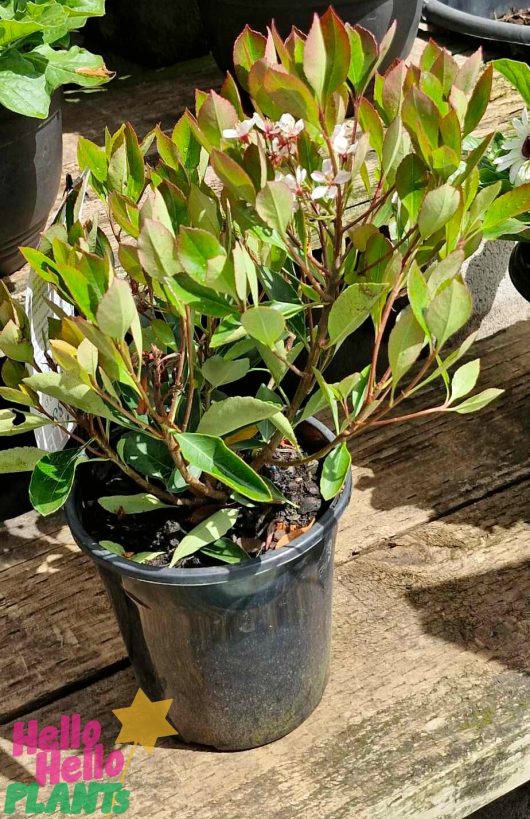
[[520, 17], [258, 529]]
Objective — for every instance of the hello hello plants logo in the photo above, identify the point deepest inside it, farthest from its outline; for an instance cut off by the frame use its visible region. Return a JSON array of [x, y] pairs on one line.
[[90, 779]]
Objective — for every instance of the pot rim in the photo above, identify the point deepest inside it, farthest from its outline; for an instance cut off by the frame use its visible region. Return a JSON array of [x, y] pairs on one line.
[[210, 575], [474, 25]]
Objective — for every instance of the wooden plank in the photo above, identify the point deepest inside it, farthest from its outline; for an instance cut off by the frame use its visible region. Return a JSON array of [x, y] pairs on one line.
[[402, 477], [427, 711]]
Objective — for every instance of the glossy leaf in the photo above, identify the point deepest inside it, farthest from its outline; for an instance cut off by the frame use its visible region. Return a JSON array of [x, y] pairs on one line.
[[52, 479], [209, 531], [210, 454], [335, 470]]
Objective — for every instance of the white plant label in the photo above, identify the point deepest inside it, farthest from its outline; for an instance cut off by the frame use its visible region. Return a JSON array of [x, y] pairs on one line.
[[38, 294], [39, 297]]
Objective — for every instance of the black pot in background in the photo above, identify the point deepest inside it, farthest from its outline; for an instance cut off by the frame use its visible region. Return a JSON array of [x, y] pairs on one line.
[[519, 269], [479, 19], [149, 32], [225, 20], [243, 651], [14, 489], [30, 174]]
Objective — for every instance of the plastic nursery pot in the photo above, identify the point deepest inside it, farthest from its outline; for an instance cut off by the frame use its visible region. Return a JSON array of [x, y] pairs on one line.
[[225, 20], [477, 18], [30, 173], [243, 651], [151, 32], [519, 269]]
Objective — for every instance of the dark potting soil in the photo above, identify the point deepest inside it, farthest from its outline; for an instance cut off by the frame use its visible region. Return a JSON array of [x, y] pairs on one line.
[[520, 17], [257, 530]]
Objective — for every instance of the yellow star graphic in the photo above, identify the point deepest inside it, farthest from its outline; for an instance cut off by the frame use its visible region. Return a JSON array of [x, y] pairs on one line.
[[143, 722]]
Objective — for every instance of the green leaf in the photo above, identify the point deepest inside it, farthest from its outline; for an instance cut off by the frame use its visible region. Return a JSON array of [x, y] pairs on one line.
[[219, 371], [132, 504], [93, 158], [206, 532], [117, 310], [477, 402], [518, 74], [449, 311], [189, 147], [438, 207], [412, 178], [464, 379], [226, 551], [335, 470], [278, 92], [67, 389], [351, 309], [19, 459], [249, 47], [510, 204], [274, 203], [148, 456], [264, 324], [201, 255], [145, 557], [406, 342], [157, 251], [52, 479], [74, 65], [211, 455], [8, 427], [326, 54], [216, 115], [111, 546], [225, 416], [23, 87], [479, 100], [235, 179]]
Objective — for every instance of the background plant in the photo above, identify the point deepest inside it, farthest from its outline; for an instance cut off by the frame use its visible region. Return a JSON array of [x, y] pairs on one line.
[[36, 57], [256, 244]]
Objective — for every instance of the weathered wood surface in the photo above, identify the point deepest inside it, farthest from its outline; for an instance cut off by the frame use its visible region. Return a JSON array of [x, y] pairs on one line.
[[427, 714]]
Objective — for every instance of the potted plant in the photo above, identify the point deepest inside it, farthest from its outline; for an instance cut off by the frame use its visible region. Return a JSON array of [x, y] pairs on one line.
[[35, 61], [507, 164], [211, 517], [225, 19]]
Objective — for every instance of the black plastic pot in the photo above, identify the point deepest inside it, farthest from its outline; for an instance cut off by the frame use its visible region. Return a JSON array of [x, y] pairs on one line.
[[150, 32], [243, 651], [225, 19], [30, 174], [476, 18], [519, 269]]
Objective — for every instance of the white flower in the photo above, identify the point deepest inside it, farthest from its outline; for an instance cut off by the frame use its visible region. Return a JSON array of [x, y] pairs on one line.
[[293, 181], [329, 182], [241, 130], [270, 129], [518, 157], [289, 128], [341, 139]]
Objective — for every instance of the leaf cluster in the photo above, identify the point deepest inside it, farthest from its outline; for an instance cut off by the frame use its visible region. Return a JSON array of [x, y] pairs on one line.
[[36, 57], [248, 249]]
